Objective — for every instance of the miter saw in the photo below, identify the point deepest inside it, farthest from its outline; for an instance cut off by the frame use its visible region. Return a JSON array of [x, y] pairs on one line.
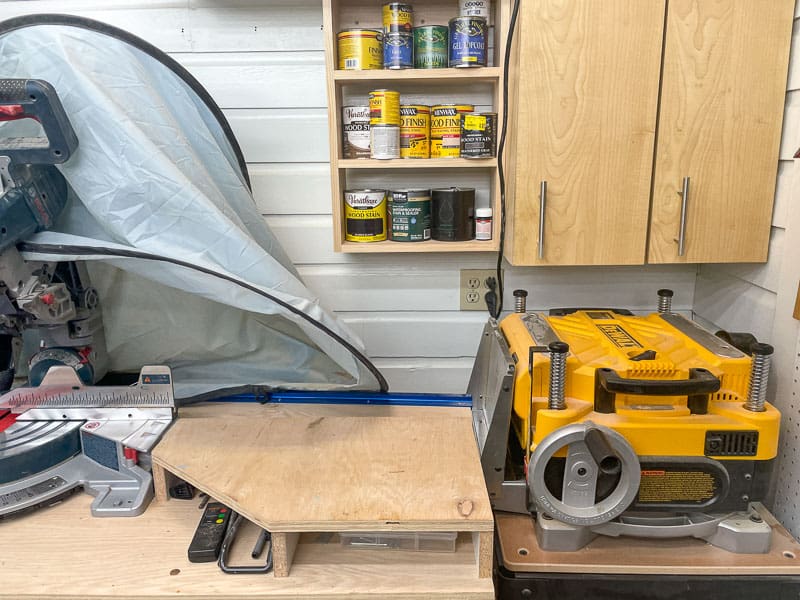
[[61, 432], [601, 422]]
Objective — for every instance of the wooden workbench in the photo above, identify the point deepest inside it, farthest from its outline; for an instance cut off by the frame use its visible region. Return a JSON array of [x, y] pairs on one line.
[[62, 552]]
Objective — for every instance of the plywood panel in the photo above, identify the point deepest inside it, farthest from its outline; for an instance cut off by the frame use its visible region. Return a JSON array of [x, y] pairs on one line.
[[588, 91], [724, 82], [154, 566], [333, 473]]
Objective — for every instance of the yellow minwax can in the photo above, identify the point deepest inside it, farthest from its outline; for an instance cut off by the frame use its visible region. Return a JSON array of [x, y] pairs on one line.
[[446, 129], [415, 131], [384, 107], [360, 49]]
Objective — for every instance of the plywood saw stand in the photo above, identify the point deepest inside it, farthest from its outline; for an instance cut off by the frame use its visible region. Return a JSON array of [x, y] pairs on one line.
[[295, 469]]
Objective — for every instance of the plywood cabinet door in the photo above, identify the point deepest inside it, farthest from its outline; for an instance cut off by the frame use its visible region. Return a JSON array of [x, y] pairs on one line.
[[583, 120], [724, 82]]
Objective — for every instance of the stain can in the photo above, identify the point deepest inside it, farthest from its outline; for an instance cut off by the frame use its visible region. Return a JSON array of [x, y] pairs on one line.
[[365, 215], [446, 129], [453, 214], [478, 135], [355, 132], [410, 215], [360, 49], [397, 16], [384, 141], [431, 50], [476, 8], [468, 42], [384, 107], [398, 50], [415, 131]]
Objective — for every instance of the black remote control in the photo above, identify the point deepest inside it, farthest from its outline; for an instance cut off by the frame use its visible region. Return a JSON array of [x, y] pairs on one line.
[[209, 533]]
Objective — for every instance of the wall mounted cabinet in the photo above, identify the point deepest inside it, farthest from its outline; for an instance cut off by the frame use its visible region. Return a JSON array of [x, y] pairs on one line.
[[646, 131]]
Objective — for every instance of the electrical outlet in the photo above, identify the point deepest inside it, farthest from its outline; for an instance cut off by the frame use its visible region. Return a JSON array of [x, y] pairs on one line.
[[474, 288]]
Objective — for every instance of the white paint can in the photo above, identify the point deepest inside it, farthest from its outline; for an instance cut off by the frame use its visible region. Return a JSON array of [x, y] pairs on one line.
[[476, 8]]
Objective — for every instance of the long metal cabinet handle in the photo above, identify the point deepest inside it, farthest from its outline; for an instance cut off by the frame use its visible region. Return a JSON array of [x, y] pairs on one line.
[[684, 194], [542, 205]]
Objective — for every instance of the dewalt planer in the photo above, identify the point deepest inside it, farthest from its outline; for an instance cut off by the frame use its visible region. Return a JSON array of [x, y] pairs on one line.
[[601, 422]]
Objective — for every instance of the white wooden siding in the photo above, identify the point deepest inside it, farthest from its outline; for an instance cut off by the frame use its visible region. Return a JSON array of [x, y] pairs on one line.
[[263, 63]]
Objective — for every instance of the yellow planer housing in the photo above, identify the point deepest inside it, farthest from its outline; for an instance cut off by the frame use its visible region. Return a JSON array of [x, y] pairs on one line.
[[661, 348]]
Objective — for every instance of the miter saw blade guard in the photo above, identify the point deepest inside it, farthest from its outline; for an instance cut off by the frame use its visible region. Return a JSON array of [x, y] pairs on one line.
[[160, 209]]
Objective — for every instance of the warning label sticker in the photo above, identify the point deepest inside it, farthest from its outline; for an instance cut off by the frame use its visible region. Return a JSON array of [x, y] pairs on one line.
[[685, 487], [619, 337]]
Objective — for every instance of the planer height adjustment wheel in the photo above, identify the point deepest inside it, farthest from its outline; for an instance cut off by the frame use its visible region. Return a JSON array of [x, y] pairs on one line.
[[600, 478]]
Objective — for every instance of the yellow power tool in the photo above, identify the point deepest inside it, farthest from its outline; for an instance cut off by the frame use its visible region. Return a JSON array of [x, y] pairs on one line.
[[602, 422]]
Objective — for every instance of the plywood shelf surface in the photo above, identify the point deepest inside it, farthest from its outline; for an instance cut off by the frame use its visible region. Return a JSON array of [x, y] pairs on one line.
[[64, 553], [475, 74], [427, 246], [420, 163]]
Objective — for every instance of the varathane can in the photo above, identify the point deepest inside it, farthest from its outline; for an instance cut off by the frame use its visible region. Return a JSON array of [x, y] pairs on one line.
[[453, 214], [397, 16], [384, 107], [431, 50], [478, 135], [415, 131], [360, 49], [365, 215], [355, 132], [410, 215], [398, 50], [446, 129], [384, 141], [468, 42], [476, 8]]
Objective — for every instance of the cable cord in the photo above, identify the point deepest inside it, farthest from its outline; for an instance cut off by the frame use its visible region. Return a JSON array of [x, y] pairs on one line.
[[498, 307], [71, 250]]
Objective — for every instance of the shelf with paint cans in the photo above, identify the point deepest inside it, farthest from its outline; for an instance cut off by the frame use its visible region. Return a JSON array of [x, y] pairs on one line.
[[476, 86]]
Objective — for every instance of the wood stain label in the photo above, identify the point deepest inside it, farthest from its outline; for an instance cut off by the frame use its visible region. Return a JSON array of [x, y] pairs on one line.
[[446, 129], [410, 215], [415, 131], [365, 215], [355, 132]]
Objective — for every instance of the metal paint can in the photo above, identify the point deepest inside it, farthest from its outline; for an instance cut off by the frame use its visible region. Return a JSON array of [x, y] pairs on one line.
[[453, 214], [365, 215], [478, 135], [476, 8], [431, 50], [360, 49], [398, 50], [397, 16], [446, 129], [384, 141], [410, 215], [415, 131], [355, 132], [468, 42], [384, 107]]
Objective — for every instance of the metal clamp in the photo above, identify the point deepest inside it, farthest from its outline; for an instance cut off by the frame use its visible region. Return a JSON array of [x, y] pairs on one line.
[[227, 544], [542, 206], [684, 194]]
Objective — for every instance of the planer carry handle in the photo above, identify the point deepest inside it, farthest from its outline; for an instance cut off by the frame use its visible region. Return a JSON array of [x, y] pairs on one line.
[[608, 383]]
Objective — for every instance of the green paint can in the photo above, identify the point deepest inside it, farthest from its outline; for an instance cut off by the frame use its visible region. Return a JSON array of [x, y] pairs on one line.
[[410, 215], [431, 47]]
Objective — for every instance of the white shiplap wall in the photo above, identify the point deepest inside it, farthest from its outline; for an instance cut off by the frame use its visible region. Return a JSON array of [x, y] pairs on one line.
[[262, 61]]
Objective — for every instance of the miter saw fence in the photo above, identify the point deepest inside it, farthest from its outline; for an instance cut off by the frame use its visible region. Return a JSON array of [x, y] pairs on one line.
[[601, 422], [53, 302]]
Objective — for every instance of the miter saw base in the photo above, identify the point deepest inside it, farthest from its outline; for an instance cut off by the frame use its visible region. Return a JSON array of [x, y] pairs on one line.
[[63, 435]]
